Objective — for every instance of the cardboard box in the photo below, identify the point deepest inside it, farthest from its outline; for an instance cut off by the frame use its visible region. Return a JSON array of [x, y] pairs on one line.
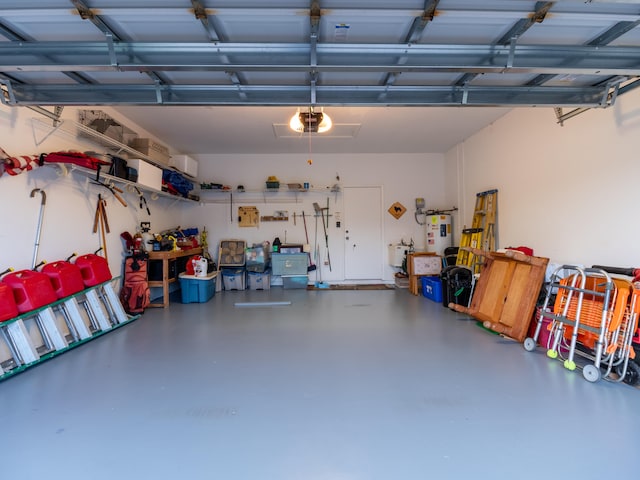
[[185, 164], [154, 150], [148, 175]]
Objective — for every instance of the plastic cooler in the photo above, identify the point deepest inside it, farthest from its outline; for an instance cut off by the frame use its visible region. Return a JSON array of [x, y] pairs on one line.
[[94, 269], [66, 278], [31, 289], [197, 289], [432, 288], [8, 308]]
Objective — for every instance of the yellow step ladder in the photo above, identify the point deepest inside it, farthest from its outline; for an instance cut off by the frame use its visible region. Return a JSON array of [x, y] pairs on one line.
[[481, 235]]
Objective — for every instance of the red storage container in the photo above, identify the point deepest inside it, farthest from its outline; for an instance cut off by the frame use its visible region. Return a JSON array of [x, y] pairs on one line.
[[30, 289], [94, 269], [8, 308], [65, 277]]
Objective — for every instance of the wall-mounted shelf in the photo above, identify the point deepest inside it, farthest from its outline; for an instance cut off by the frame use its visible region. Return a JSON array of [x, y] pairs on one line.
[[80, 131], [130, 187], [266, 195]]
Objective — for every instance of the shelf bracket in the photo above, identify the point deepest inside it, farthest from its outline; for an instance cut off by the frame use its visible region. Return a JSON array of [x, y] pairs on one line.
[[55, 115]]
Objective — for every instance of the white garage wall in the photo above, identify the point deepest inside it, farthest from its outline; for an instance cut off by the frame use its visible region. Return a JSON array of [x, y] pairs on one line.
[[569, 192], [402, 177], [71, 200]]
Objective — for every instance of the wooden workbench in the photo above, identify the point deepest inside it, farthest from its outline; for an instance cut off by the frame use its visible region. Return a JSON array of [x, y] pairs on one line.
[[166, 257]]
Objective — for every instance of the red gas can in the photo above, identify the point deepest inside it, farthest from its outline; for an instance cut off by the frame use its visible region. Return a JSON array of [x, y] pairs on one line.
[[8, 308], [94, 269], [65, 277], [30, 289]]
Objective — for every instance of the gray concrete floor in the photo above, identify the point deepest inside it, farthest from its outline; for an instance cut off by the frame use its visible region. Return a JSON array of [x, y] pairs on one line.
[[340, 385]]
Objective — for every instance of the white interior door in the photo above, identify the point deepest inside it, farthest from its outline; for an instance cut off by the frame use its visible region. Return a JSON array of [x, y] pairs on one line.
[[363, 233]]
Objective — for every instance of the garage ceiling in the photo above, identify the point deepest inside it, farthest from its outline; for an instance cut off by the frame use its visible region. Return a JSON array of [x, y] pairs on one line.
[[325, 53]]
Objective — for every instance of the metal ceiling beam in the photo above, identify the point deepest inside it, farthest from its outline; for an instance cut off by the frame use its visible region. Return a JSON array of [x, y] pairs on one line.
[[64, 94], [421, 22], [87, 13], [10, 34], [603, 39], [280, 57], [539, 14], [200, 12], [415, 32], [315, 14]]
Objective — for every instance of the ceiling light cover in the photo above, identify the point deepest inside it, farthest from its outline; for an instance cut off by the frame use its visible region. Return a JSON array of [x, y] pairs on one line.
[[310, 122]]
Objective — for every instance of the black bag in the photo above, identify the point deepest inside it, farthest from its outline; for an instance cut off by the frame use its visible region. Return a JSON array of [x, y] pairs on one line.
[[119, 168], [457, 283]]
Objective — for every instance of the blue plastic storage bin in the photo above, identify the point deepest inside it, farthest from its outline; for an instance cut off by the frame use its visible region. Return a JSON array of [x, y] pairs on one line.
[[432, 288], [259, 281], [295, 281], [197, 289], [233, 278]]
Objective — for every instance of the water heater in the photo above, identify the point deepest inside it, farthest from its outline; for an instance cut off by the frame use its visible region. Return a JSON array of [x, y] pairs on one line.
[[439, 234]]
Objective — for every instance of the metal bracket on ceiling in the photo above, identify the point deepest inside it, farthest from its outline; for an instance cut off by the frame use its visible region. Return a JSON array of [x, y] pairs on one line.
[[55, 115], [112, 51], [542, 9], [158, 89], [609, 97], [512, 51], [421, 22], [87, 13], [8, 97], [200, 12], [465, 95]]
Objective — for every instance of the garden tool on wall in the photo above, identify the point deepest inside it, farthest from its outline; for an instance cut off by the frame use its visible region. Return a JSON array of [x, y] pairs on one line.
[[311, 266], [109, 186], [43, 201], [143, 201], [100, 219], [320, 211]]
